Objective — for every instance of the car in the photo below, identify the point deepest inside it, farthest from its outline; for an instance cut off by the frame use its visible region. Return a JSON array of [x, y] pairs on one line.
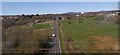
[[53, 35]]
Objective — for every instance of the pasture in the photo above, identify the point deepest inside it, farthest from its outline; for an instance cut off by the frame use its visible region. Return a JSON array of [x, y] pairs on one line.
[[83, 36], [41, 26]]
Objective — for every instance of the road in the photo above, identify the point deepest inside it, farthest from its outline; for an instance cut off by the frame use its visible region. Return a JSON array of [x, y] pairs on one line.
[[56, 49]]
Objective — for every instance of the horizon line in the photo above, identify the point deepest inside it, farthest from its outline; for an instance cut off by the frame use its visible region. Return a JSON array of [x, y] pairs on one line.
[[56, 13]]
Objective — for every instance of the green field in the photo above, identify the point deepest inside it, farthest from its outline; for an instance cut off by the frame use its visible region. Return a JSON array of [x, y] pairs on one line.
[[80, 32], [41, 26]]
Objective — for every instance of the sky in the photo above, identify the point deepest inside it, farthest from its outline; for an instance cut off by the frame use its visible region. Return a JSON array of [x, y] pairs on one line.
[[15, 8], [60, 0]]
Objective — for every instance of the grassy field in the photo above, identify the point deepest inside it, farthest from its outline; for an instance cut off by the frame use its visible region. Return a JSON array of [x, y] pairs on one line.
[[40, 26], [80, 33]]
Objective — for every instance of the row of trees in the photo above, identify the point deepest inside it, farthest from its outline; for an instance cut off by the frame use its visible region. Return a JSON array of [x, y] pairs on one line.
[[30, 16], [98, 19], [24, 20]]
